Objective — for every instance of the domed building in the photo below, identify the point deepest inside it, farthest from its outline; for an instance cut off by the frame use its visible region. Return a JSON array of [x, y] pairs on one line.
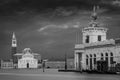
[[27, 59], [96, 52]]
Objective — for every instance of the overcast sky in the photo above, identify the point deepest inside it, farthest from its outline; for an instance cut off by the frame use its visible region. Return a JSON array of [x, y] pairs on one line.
[[50, 27]]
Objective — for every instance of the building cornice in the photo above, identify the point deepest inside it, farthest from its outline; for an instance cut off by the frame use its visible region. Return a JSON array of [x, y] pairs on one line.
[[105, 43]]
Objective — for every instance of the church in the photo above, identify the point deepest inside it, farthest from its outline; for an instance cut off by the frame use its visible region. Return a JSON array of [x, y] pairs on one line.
[[26, 59], [96, 51]]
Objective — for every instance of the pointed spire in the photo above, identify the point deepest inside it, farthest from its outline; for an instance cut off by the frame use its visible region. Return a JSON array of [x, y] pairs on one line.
[[14, 41], [13, 37]]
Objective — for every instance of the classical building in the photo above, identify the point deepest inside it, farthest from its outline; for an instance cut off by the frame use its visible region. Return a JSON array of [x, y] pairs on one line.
[[27, 59], [96, 52]]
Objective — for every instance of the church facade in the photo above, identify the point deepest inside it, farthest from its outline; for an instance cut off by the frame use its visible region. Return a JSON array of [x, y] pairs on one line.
[[27, 59], [96, 52]]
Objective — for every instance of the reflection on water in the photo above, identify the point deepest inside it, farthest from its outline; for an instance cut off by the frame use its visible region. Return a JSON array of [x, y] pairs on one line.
[[52, 74]]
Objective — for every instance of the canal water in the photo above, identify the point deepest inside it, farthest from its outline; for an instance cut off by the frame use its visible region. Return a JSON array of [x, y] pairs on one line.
[[52, 74]]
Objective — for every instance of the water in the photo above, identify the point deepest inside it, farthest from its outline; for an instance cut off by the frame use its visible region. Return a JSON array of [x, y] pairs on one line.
[[52, 74]]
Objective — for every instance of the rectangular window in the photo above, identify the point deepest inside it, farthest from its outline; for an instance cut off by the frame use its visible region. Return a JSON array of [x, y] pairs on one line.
[[99, 37], [87, 39]]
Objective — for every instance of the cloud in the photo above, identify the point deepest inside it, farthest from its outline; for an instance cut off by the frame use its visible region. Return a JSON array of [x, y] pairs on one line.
[[76, 26], [64, 26], [53, 26], [43, 28]]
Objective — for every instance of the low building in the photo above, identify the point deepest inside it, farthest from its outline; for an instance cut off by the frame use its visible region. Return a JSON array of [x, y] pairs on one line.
[[55, 64], [70, 63], [7, 64]]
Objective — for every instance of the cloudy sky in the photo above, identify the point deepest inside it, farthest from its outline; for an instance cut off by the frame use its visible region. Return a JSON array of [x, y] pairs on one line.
[[51, 27]]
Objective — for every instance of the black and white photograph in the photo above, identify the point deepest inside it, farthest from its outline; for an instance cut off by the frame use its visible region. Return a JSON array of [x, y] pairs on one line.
[[59, 39]]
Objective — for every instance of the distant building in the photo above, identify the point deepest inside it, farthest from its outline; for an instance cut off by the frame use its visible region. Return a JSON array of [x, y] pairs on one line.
[[113, 3], [55, 64], [27, 59], [7, 64], [60, 64], [70, 63], [116, 2], [96, 52]]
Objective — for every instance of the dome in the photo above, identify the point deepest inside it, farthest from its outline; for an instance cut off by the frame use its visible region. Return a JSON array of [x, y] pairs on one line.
[[27, 50]]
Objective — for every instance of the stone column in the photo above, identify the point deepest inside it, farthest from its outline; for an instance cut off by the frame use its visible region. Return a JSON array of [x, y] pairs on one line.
[[78, 61]]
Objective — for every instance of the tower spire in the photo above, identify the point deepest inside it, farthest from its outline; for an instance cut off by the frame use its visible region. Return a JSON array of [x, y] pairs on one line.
[[14, 41], [14, 48], [13, 37]]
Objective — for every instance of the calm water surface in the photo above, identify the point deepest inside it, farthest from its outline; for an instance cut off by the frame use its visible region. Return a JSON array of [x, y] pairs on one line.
[[52, 74]]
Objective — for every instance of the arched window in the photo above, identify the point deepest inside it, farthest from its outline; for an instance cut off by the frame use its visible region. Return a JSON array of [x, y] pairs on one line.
[[91, 62], [106, 54], [86, 56], [102, 56], [94, 58], [106, 58], [111, 58], [94, 55], [86, 59], [91, 55], [111, 54]]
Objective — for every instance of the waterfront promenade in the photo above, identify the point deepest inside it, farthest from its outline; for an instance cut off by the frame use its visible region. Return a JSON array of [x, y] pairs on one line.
[[52, 74]]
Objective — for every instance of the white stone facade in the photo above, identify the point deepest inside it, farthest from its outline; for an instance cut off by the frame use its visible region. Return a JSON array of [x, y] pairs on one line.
[[96, 52], [99, 52], [27, 60], [93, 33]]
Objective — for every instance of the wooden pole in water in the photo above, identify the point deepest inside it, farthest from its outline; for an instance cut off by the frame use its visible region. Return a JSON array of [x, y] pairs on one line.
[[65, 61]]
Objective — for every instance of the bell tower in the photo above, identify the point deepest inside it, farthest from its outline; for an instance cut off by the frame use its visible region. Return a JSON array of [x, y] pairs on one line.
[[94, 32], [14, 47]]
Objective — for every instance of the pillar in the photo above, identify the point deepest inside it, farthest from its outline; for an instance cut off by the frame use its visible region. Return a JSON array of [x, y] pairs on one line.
[[78, 61]]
